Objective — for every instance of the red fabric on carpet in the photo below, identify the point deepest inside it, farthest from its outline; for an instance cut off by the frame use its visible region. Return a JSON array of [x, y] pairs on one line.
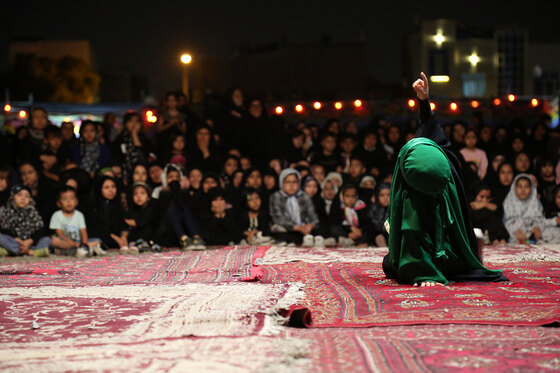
[[359, 295], [433, 348]]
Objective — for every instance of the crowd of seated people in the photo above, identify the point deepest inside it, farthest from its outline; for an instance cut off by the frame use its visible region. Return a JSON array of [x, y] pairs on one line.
[[240, 176]]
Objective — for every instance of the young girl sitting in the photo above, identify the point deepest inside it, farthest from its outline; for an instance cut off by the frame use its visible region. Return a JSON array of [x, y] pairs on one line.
[[105, 218], [473, 154], [22, 226], [142, 219], [523, 214], [254, 219], [546, 181], [292, 212], [90, 154], [485, 214], [379, 213], [219, 226], [348, 217]]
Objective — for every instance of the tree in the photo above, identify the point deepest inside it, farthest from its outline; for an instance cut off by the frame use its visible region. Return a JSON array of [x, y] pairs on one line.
[[68, 79]]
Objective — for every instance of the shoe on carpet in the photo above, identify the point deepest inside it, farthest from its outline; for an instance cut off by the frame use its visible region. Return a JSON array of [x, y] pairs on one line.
[[124, 250], [264, 240], [185, 242], [143, 246], [41, 253], [198, 243], [345, 241], [330, 242], [155, 247], [97, 250], [133, 250], [319, 241], [4, 252], [81, 252], [307, 241]]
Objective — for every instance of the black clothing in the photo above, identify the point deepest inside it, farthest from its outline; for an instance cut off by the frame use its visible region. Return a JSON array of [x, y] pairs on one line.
[[221, 231], [432, 130], [105, 216], [146, 218]]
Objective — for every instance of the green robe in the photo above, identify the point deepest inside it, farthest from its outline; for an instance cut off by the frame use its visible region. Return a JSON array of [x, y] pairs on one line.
[[428, 239]]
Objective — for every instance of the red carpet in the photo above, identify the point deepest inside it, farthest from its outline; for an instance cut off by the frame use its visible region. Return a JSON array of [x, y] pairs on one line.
[[434, 348], [221, 265], [220, 310], [359, 295]]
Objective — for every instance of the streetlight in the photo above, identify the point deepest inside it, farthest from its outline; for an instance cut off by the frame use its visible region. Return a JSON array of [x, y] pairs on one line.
[[186, 59]]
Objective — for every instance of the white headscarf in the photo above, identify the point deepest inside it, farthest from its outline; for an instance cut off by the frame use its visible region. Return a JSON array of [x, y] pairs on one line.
[[292, 204], [518, 208]]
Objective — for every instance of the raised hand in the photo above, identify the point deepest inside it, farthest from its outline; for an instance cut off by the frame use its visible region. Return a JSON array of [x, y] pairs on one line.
[[421, 87]]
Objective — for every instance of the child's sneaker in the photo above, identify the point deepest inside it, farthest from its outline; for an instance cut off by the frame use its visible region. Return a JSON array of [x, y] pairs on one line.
[[4, 252], [155, 247], [330, 242], [124, 250], [198, 243], [319, 241], [185, 243], [81, 252], [41, 253], [263, 240], [345, 242], [97, 250], [133, 250], [308, 241], [143, 246]]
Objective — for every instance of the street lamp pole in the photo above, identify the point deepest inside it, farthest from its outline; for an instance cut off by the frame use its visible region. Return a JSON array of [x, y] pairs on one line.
[[186, 60]]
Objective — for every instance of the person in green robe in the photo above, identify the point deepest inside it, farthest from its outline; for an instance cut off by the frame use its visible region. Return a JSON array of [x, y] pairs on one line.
[[430, 237]]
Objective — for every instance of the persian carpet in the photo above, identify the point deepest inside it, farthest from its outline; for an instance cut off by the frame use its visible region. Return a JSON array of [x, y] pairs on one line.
[[359, 295], [62, 327], [433, 348], [229, 264]]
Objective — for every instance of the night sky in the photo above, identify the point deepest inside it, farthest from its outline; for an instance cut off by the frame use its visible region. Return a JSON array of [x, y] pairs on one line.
[[148, 36]]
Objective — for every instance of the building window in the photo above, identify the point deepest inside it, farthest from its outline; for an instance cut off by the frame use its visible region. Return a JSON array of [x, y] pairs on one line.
[[438, 61], [474, 85]]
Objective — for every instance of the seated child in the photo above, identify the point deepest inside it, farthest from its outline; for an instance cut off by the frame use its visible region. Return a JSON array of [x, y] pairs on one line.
[[486, 215], [4, 185], [553, 209], [355, 171], [55, 157], [329, 190], [254, 219], [348, 217], [142, 219], [523, 214], [174, 200], [22, 226], [220, 226], [379, 213], [293, 215], [311, 187], [105, 217], [69, 225]]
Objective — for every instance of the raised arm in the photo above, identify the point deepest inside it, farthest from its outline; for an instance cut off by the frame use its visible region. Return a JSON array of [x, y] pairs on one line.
[[429, 127]]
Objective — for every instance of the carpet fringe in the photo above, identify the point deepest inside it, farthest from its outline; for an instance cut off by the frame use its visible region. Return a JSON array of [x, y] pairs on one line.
[[274, 322]]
